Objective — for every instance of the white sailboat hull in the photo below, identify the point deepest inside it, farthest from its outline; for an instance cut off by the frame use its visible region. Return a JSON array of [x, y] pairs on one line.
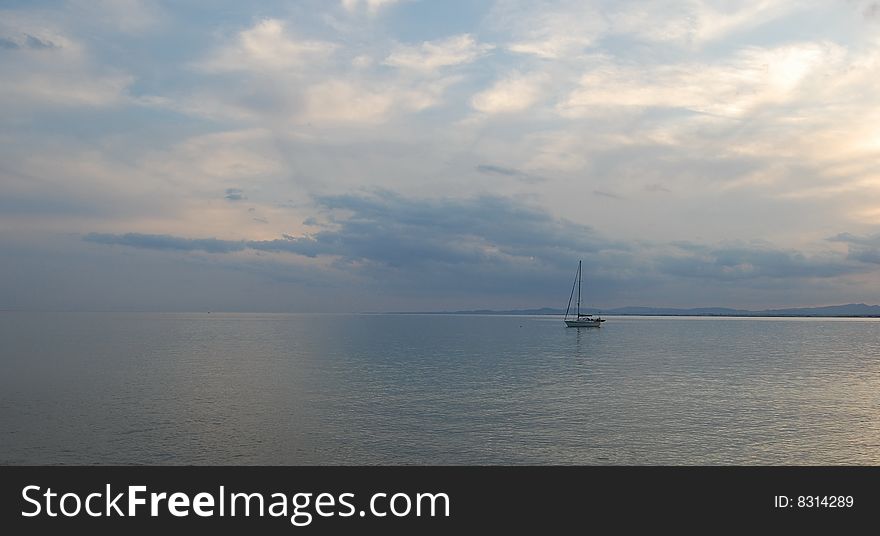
[[588, 323]]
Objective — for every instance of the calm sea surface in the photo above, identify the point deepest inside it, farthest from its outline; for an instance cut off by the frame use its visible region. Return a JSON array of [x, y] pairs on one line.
[[131, 388]]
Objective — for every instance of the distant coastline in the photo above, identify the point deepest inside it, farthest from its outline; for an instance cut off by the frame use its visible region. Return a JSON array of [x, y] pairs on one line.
[[851, 310]]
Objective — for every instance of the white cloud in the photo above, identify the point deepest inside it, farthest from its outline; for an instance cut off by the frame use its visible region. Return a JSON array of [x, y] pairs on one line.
[[338, 100], [287, 81], [713, 24], [694, 22], [432, 55], [267, 46], [220, 159], [731, 87], [49, 67], [362, 61], [373, 6], [548, 29], [562, 30], [67, 88], [515, 93]]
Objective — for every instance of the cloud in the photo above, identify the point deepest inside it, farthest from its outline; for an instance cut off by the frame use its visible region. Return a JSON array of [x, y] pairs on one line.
[[299, 245], [39, 44], [515, 93], [235, 194], [392, 244], [338, 100], [861, 248], [267, 46], [849, 238], [389, 230], [746, 261], [48, 68], [657, 187], [549, 30], [732, 87], [30, 42], [166, 242], [220, 156], [397, 231], [487, 168], [125, 16], [493, 243], [490, 169], [603, 193], [269, 76], [503, 130], [69, 90], [692, 24], [433, 55], [372, 6], [561, 30]]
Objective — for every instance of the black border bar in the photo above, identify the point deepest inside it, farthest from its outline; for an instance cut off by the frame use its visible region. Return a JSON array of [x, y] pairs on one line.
[[480, 498]]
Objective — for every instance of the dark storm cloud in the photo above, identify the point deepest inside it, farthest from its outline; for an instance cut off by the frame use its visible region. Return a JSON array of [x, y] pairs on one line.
[[400, 231], [870, 256], [849, 238], [166, 242], [749, 262], [391, 230], [300, 246], [864, 249], [482, 243], [493, 244]]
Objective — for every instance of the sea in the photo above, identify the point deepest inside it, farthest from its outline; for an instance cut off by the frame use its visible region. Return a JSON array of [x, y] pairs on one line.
[[413, 389]]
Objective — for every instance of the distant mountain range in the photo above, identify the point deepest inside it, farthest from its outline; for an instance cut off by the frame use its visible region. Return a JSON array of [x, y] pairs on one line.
[[850, 310]]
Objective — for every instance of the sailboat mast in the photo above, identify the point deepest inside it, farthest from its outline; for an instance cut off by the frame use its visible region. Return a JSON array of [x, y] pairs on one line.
[[579, 290]]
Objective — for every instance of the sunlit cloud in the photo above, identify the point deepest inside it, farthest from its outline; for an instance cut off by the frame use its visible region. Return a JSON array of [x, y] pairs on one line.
[[372, 6], [731, 88], [432, 55], [514, 93], [267, 46]]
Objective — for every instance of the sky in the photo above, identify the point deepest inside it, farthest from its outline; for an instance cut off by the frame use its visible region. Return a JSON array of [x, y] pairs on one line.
[[406, 155]]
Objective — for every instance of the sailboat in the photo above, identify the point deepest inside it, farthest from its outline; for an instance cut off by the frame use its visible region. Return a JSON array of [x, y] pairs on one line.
[[580, 320]]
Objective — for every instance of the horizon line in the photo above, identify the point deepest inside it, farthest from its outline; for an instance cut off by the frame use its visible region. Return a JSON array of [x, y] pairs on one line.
[[684, 311]]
